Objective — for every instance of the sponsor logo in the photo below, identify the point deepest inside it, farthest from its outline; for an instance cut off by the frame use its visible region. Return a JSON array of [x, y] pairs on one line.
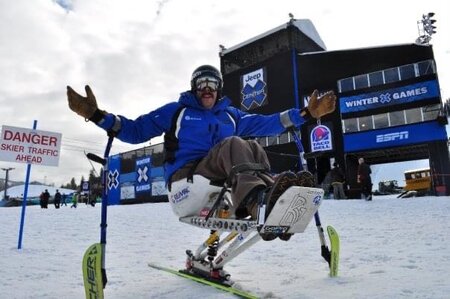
[[253, 91], [187, 117], [276, 229], [317, 199], [143, 161], [113, 179], [392, 136], [180, 195], [321, 139], [142, 174], [385, 98]]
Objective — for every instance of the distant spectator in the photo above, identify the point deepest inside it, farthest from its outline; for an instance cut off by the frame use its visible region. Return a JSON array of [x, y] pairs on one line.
[[46, 198], [64, 200], [337, 181], [41, 200], [57, 199], [364, 179], [74, 200]]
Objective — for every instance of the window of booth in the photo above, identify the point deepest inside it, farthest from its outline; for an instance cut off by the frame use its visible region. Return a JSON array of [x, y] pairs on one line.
[[350, 125], [413, 115], [407, 72], [346, 84], [381, 120], [365, 123], [426, 67], [376, 79], [391, 75], [397, 118], [361, 81], [430, 112]]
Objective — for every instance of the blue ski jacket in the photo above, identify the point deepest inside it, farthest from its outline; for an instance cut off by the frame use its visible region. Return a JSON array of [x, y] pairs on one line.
[[198, 129]]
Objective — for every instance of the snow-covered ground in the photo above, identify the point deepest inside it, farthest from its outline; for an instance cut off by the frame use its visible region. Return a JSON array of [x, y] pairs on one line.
[[390, 248]]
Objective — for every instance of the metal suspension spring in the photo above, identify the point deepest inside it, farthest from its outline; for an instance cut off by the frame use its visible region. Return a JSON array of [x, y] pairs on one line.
[[213, 248]]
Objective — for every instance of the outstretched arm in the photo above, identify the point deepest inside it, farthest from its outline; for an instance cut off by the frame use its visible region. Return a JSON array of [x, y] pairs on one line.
[[135, 131]]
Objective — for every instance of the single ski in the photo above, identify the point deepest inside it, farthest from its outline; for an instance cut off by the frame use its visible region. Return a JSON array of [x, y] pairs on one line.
[[217, 285], [334, 244], [92, 271]]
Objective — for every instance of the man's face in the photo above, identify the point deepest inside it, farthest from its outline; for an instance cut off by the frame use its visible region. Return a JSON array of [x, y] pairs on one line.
[[207, 97], [206, 91]]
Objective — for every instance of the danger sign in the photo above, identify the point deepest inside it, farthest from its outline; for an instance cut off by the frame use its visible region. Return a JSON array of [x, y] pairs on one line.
[[30, 146]]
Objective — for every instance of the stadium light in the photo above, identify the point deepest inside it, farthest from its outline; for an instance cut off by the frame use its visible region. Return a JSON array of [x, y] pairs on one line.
[[426, 28]]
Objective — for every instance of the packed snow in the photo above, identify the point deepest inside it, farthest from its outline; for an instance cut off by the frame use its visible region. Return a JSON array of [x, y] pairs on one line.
[[390, 248]]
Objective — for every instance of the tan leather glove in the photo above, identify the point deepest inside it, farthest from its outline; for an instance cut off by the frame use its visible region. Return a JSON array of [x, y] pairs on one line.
[[84, 106], [320, 106]]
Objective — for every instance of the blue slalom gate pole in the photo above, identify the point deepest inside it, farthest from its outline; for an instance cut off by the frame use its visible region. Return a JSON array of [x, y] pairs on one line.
[[24, 202]]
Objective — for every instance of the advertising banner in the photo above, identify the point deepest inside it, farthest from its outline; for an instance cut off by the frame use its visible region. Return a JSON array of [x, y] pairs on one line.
[[321, 139], [253, 89], [113, 180], [143, 169], [389, 97], [396, 136]]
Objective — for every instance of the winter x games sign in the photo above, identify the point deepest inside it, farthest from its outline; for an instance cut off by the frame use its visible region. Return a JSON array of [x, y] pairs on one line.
[[30, 146], [143, 166]]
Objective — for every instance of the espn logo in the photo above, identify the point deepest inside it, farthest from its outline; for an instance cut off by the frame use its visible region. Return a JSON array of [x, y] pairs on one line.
[[392, 136]]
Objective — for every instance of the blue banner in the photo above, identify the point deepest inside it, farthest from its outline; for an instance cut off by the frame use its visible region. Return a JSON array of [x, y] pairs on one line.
[[394, 96], [112, 180], [85, 187], [143, 170], [392, 137]]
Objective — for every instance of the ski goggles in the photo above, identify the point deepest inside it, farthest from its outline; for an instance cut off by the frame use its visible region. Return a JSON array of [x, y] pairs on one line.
[[210, 82]]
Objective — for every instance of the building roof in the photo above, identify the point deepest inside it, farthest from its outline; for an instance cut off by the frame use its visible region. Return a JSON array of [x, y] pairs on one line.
[[304, 25]]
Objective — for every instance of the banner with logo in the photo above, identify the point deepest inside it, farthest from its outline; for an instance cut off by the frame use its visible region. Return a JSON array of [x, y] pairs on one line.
[[85, 188], [253, 90], [113, 180], [143, 174], [321, 139], [396, 136], [389, 97]]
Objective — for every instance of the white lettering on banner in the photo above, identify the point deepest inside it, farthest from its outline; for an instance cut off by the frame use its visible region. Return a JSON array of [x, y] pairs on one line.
[[392, 136], [362, 102], [386, 98], [410, 93], [30, 146], [253, 94], [143, 161]]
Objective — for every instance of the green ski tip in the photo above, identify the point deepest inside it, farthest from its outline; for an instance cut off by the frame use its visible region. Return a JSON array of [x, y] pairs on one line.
[[335, 247]]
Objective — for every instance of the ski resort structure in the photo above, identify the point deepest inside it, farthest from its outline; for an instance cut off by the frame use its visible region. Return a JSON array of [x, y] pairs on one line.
[[389, 109]]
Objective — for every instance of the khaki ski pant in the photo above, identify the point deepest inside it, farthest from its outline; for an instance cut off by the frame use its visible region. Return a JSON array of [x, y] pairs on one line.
[[220, 160]]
